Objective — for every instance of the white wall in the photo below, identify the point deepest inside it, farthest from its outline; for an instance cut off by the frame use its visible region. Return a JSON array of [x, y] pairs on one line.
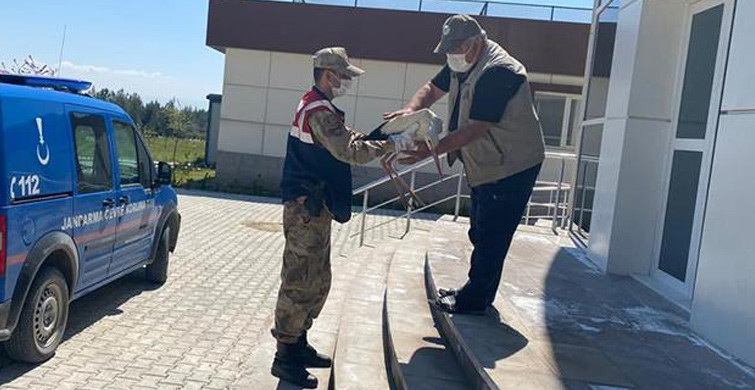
[[262, 89], [636, 135], [634, 156], [723, 308]]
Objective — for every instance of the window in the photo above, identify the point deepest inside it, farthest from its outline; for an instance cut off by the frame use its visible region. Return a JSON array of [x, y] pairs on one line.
[[125, 142], [600, 62], [558, 115], [145, 164], [92, 153]]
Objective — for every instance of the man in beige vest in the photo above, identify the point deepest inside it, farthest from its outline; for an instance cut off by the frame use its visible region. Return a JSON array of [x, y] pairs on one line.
[[495, 132]]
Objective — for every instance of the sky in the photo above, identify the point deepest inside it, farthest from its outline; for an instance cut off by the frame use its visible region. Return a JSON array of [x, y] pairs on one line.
[[152, 47]]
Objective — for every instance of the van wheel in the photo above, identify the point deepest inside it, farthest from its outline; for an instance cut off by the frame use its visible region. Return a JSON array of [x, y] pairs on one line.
[[157, 272], [43, 319]]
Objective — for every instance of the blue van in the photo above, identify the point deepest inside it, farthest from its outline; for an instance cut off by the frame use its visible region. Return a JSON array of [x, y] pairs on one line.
[[81, 204]]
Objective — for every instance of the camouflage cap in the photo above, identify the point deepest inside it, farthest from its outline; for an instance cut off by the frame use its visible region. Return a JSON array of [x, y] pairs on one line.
[[456, 30], [335, 58]]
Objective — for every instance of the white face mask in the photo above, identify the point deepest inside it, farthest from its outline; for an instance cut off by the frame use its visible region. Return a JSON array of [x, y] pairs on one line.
[[458, 62], [343, 89]]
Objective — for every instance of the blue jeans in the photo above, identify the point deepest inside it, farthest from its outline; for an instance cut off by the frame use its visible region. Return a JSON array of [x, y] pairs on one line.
[[497, 210]]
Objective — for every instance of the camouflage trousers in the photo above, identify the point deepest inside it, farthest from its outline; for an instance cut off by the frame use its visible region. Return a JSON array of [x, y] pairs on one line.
[[305, 276]]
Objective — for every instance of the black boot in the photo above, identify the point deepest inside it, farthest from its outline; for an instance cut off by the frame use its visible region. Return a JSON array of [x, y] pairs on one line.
[[309, 356], [289, 367]]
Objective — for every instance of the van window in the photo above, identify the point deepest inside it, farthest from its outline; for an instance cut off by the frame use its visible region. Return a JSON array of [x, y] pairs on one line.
[[145, 164], [125, 142], [92, 153]]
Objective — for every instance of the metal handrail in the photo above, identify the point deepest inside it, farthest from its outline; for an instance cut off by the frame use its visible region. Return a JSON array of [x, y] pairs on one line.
[[484, 7], [557, 189], [401, 172], [581, 188], [416, 191], [410, 213], [423, 163]]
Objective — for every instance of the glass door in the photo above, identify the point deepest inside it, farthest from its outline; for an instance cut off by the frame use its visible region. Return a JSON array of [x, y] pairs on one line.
[[688, 168]]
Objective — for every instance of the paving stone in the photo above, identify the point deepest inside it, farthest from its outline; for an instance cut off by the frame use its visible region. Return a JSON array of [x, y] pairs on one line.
[[216, 305], [212, 317]]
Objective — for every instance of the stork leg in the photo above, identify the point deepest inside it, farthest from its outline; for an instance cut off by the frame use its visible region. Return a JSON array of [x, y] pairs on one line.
[[388, 168], [431, 147], [401, 187], [402, 183]]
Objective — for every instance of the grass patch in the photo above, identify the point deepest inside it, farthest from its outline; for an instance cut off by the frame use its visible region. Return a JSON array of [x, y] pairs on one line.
[[193, 178], [178, 151], [189, 170]]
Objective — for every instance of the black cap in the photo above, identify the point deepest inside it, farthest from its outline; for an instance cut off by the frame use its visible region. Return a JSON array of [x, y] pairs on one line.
[[456, 30]]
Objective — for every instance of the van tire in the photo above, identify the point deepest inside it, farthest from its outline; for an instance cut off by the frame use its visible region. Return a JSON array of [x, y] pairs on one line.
[[43, 319], [157, 272]]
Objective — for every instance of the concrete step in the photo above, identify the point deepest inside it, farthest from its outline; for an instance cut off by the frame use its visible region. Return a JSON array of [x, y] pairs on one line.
[[466, 354], [418, 357], [359, 356], [323, 335], [490, 349], [504, 349]]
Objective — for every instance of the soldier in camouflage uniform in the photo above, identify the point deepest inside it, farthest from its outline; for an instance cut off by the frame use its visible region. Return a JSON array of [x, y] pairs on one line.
[[316, 188]]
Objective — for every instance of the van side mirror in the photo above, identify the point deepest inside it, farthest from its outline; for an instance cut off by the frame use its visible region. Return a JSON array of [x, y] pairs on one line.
[[164, 174]]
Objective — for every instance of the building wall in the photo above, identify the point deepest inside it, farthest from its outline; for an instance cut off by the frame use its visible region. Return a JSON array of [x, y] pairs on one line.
[[636, 135], [262, 89], [544, 46], [636, 144], [723, 308]]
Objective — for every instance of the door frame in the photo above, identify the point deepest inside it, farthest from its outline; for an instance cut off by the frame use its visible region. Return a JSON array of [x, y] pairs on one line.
[[705, 146], [120, 189], [69, 109]]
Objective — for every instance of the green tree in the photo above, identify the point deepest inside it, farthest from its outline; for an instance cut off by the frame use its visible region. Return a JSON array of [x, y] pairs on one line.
[[178, 121], [166, 120]]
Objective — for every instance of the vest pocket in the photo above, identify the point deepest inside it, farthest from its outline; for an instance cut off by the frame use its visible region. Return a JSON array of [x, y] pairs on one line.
[[484, 152], [497, 147]]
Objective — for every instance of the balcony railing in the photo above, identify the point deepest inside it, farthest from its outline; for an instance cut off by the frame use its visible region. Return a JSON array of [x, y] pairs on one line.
[[504, 9]]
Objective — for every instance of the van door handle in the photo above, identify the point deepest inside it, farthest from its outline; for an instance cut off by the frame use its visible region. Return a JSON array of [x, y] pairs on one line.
[[124, 199], [108, 203]]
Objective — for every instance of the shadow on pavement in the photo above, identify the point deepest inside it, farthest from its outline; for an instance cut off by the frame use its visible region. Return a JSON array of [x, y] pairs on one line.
[[83, 313], [490, 337], [283, 385], [612, 330]]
